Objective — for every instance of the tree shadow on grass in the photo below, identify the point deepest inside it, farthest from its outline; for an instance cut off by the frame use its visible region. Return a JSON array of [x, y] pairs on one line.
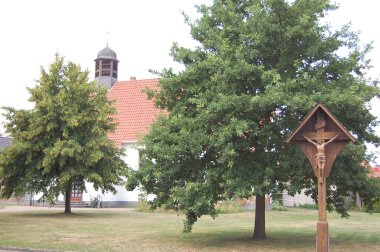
[[240, 240], [61, 214], [278, 240]]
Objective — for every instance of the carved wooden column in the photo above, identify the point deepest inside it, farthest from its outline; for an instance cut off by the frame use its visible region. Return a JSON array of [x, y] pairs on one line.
[[321, 137]]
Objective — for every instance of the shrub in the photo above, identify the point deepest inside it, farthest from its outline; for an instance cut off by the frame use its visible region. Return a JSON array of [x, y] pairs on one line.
[[229, 206], [278, 207], [308, 206], [144, 206], [376, 208]]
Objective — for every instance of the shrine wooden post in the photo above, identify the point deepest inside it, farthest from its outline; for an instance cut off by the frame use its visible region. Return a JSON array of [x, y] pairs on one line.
[[321, 137]]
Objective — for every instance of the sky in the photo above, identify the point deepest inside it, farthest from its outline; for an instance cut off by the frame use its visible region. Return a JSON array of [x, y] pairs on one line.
[[141, 32]]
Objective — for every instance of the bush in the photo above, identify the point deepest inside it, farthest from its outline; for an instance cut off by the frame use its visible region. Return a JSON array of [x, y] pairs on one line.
[[222, 207], [308, 206], [278, 207], [376, 207], [228, 206], [356, 208], [144, 206]]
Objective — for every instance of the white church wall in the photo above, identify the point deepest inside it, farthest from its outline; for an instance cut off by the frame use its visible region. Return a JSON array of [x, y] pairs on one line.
[[122, 196]]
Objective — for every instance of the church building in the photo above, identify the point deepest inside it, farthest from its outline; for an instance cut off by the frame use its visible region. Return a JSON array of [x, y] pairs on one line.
[[134, 115]]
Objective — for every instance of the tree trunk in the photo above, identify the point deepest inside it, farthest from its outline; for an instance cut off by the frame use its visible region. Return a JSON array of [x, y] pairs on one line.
[[68, 199], [259, 231]]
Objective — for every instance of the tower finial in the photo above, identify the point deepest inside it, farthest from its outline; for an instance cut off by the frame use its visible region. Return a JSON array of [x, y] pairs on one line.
[[108, 36]]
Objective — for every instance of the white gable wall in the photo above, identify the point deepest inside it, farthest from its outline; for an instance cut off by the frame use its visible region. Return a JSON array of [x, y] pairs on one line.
[[122, 197]]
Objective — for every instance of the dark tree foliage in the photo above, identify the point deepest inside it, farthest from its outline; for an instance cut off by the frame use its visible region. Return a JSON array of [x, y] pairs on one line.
[[260, 66], [62, 141]]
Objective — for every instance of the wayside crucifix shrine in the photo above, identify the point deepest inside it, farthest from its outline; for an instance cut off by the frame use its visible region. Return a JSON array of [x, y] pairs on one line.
[[321, 137]]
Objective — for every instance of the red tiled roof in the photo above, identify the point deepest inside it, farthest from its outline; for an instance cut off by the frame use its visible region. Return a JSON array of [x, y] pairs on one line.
[[376, 172], [134, 111]]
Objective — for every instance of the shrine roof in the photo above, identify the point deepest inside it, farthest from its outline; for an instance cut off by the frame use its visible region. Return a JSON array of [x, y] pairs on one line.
[[329, 114]]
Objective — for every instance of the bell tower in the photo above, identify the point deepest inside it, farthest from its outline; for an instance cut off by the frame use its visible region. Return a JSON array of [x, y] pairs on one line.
[[106, 67]]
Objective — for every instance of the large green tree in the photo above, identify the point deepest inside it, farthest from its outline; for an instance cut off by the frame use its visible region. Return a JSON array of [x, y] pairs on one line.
[[62, 141], [260, 66]]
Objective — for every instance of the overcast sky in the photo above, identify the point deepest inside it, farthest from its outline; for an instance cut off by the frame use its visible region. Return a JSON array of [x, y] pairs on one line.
[[141, 32]]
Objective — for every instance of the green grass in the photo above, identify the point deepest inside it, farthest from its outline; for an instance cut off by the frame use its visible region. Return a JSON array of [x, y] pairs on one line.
[[126, 230], [7, 203]]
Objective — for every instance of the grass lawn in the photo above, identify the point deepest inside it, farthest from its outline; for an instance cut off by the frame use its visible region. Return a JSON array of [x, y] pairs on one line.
[[7, 203], [126, 230]]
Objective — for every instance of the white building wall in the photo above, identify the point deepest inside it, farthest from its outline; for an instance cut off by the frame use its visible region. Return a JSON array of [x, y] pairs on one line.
[[132, 158], [121, 198], [296, 200]]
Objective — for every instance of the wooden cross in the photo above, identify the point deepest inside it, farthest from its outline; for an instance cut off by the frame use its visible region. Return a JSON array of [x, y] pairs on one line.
[[321, 137]]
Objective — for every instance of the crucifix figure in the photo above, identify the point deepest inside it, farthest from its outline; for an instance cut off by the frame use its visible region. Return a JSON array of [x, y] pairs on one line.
[[320, 156]]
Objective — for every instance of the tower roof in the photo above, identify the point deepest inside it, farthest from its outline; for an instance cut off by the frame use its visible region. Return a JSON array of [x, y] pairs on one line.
[[107, 53]]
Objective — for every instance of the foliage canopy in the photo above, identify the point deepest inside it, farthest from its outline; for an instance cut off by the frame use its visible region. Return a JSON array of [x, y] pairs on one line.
[[260, 66], [62, 141]]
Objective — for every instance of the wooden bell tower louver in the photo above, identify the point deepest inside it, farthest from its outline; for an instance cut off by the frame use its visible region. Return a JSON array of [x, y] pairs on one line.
[[106, 65]]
